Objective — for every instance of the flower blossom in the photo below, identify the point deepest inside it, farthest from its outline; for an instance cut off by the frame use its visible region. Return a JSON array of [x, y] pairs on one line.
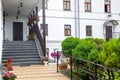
[[8, 74]]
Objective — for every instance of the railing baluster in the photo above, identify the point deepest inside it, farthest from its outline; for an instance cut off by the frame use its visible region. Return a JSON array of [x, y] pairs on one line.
[[71, 66], [112, 75], [57, 61], [95, 71]]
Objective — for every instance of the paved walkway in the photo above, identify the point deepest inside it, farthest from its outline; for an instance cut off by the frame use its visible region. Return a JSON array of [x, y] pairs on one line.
[[38, 72]]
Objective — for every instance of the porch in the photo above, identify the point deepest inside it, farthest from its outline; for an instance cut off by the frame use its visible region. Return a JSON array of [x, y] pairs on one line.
[[20, 20]]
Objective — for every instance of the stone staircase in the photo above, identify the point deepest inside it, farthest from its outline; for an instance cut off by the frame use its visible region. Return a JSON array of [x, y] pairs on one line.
[[22, 52]]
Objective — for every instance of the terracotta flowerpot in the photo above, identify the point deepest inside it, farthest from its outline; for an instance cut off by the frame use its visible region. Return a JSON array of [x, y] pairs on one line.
[[63, 66]]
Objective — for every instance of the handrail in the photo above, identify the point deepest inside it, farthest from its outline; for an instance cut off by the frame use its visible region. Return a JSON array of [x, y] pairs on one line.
[[91, 70], [37, 31], [39, 48]]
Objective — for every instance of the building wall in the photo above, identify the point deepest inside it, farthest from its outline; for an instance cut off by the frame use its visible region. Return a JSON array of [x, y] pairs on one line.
[[9, 27], [1, 34], [56, 17]]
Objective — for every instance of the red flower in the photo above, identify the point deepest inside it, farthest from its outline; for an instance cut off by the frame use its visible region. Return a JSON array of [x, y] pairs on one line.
[[11, 68], [7, 64], [9, 60], [54, 54]]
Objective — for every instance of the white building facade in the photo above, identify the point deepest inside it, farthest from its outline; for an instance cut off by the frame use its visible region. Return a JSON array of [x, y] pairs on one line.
[[65, 18], [80, 18]]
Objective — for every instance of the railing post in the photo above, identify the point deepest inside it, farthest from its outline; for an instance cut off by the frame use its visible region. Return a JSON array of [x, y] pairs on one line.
[[95, 71], [112, 75], [109, 74], [44, 34], [71, 66], [57, 61]]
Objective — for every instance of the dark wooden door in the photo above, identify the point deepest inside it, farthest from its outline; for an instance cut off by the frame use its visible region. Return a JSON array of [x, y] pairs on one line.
[[108, 32], [17, 31]]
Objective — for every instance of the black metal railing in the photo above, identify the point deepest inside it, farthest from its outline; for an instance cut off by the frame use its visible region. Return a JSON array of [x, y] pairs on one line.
[[81, 69], [39, 36]]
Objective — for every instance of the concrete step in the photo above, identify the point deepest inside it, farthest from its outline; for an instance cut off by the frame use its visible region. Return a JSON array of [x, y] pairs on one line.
[[19, 51], [38, 72], [22, 52]]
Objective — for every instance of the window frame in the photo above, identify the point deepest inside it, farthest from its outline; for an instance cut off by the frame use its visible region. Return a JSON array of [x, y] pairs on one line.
[[46, 5], [67, 29], [87, 5], [107, 6], [66, 5], [88, 30]]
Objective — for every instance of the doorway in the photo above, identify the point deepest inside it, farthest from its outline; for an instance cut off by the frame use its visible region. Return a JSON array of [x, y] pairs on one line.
[[108, 32], [17, 31]]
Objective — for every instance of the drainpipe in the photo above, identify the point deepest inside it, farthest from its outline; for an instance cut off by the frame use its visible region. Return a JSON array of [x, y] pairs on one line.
[[75, 19], [78, 19], [44, 35]]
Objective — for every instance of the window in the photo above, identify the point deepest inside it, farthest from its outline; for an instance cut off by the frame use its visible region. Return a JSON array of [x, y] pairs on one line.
[[88, 30], [66, 4], [46, 5], [46, 29], [67, 30], [87, 5], [107, 6]]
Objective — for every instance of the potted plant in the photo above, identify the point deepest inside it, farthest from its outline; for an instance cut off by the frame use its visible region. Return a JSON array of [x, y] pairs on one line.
[[32, 36], [45, 60], [63, 65], [55, 55], [6, 71]]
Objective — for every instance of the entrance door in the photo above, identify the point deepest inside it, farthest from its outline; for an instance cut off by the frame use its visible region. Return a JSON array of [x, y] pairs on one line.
[[17, 31], [108, 32]]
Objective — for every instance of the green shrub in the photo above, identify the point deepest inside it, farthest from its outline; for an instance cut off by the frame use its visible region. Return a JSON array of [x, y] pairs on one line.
[[83, 49], [68, 44], [110, 55]]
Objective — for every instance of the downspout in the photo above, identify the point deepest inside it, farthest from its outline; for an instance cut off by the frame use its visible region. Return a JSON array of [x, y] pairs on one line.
[[1, 36], [44, 35], [78, 20], [75, 19]]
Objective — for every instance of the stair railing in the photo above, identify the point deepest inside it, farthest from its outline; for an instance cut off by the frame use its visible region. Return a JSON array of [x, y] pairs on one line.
[[39, 37]]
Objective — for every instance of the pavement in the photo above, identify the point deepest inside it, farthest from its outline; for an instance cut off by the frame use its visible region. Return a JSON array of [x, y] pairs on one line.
[[38, 72]]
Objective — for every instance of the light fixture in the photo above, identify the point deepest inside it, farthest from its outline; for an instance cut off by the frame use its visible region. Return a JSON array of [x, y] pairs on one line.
[[18, 12], [21, 4]]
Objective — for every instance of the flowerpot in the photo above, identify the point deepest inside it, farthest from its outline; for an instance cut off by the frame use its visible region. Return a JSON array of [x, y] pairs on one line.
[[45, 62], [63, 66]]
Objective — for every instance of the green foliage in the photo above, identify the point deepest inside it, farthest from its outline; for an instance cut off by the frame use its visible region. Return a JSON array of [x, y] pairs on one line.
[[93, 55], [68, 44], [88, 48], [83, 49], [110, 55]]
